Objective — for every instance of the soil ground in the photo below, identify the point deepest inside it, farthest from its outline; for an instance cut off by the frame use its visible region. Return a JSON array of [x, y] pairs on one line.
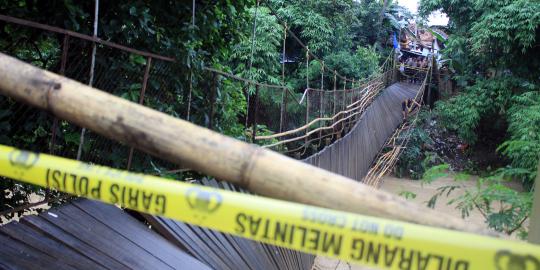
[[34, 198]]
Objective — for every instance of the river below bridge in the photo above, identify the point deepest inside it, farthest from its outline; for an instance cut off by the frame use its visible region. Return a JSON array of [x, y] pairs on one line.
[[423, 194]]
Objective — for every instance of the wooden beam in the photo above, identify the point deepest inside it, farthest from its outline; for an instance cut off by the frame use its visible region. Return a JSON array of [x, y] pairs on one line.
[[262, 171], [81, 36]]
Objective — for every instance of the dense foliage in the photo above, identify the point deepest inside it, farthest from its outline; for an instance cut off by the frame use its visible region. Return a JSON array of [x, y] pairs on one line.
[[163, 27], [417, 156], [240, 37], [494, 47]]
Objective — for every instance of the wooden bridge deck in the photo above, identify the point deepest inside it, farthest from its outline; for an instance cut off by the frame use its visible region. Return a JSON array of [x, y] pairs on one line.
[[90, 235], [86, 234], [353, 154], [223, 251]]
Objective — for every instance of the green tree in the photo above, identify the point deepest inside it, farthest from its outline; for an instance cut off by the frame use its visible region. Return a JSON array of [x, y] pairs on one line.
[[494, 49]]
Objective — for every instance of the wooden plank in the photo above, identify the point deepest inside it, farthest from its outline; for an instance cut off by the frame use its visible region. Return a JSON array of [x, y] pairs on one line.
[[203, 251], [89, 235], [222, 251], [98, 235], [258, 256], [72, 241], [251, 250], [139, 234], [29, 257], [55, 249]]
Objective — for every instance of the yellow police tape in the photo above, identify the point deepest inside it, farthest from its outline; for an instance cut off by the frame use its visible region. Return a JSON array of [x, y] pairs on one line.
[[355, 238]]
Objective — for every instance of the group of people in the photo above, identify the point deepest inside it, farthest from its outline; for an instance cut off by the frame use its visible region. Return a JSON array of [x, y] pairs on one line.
[[411, 69], [416, 62]]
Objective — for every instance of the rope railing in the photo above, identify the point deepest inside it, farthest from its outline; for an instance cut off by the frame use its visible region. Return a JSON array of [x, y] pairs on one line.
[[353, 107], [58, 30], [317, 129]]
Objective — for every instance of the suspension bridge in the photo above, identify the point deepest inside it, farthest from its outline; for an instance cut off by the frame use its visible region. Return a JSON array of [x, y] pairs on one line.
[[352, 134]]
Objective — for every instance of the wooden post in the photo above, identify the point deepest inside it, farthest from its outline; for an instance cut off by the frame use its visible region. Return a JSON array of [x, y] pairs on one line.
[[283, 53], [248, 110], [351, 120], [321, 99], [334, 103], [307, 116], [307, 67], [213, 100], [353, 96], [343, 123], [307, 97], [190, 93], [263, 171], [321, 113], [283, 110], [63, 63], [428, 87], [395, 71], [255, 110], [344, 94], [141, 101], [335, 93], [534, 227]]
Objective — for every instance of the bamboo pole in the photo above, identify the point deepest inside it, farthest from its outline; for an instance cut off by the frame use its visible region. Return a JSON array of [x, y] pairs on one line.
[[142, 93], [213, 93], [63, 63], [254, 116], [307, 99], [262, 171], [349, 108]]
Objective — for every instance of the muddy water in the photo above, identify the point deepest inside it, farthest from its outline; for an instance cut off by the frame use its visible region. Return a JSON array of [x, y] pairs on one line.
[[423, 194]]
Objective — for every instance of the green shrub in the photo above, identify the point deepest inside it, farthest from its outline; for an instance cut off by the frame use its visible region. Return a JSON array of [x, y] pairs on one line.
[[503, 208], [416, 157], [523, 147], [496, 103]]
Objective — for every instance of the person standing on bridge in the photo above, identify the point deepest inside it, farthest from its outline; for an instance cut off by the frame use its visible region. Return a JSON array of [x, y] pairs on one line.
[[422, 65], [402, 75], [409, 61], [414, 70], [407, 106], [408, 70]]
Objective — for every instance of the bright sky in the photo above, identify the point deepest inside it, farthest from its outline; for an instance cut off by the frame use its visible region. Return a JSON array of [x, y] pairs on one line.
[[436, 18]]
